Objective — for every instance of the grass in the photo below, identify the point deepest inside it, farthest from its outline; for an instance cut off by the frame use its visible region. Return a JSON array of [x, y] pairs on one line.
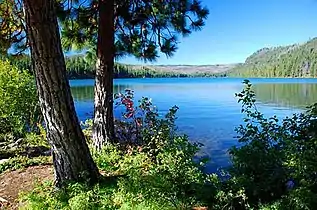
[[132, 181]]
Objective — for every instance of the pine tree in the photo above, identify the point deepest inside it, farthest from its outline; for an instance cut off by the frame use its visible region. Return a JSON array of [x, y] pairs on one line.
[[142, 28], [71, 157]]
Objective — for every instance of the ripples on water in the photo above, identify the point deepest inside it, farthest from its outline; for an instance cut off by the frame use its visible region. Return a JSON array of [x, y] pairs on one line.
[[208, 112]]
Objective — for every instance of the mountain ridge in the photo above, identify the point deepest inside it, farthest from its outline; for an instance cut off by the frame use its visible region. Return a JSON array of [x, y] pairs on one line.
[[189, 69], [295, 60]]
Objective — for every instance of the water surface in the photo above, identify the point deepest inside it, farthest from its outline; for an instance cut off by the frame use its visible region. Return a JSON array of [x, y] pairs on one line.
[[209, 111]]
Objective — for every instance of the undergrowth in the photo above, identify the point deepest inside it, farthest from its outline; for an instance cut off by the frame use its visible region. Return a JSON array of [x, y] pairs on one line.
[[154, 170]]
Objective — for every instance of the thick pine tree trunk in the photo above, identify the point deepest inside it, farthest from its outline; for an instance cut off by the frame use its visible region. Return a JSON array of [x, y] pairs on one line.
[[71, 156], [103, 130]]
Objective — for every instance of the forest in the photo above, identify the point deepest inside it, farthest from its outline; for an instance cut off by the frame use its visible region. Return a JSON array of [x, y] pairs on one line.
[[51, 160], [79, 67], [297, 60]]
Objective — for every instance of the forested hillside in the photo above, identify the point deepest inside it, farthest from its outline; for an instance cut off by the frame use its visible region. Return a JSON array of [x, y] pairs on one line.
[[297, 60]]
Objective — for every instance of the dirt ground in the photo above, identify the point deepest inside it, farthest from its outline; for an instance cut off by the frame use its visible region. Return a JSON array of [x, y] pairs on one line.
[[13, 182]]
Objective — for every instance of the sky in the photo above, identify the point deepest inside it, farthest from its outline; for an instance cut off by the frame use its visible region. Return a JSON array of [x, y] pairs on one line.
[[237, 28]]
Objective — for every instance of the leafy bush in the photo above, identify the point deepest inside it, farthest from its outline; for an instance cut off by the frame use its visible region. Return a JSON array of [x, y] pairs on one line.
[[18, 102], [276, 161], [140, 121], [259, 162], [37, 138]]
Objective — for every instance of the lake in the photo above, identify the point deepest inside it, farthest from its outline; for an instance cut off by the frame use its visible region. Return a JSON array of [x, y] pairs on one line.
[[209, 111]]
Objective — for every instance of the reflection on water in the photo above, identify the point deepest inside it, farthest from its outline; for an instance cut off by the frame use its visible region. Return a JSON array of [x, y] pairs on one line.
[[298, 95], [86, 93], [209, 112], [83, 93]]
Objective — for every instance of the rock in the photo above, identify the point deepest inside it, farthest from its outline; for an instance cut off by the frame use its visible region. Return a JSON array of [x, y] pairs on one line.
[[3, 161], [16, 144], [11, 146], [47, 153], [36, 151], [7, 153]]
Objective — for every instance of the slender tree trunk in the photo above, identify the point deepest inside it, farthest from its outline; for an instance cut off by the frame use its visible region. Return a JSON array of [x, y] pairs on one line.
[[71, 156], [103, 130]]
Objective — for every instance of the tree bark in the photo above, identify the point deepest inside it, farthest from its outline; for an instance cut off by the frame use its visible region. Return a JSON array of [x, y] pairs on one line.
[[103, 129], [71, 157]]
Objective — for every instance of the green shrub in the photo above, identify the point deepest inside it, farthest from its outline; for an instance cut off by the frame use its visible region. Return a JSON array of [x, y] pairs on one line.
[[259, 162], [276, 161], [36, 138], [18, 101]]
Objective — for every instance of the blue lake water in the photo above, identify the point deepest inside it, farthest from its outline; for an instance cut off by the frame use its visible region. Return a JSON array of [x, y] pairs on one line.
[[209, 111]]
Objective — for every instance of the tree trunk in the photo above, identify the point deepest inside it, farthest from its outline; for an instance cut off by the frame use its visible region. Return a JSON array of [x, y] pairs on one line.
[[103, 129], [71, 156]]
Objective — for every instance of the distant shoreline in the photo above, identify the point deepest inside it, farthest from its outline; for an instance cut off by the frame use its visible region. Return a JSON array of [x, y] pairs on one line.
[[82, 77]]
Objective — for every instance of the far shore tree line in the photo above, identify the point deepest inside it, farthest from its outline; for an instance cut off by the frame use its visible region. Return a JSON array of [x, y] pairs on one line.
[[81, 67]]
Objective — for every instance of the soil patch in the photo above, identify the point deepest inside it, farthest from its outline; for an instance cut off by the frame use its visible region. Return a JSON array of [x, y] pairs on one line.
[[14, 182]]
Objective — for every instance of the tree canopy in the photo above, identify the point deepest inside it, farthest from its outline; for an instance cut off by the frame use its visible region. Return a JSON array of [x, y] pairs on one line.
[[143, 28], [12, 27]]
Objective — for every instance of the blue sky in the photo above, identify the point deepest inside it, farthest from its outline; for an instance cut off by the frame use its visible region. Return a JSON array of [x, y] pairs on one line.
[[237, 28]]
